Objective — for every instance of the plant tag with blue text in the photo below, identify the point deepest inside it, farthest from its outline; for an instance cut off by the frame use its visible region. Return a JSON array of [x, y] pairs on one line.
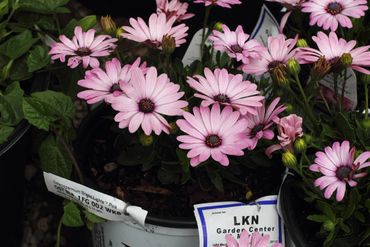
[[98, 203], [215, 220]]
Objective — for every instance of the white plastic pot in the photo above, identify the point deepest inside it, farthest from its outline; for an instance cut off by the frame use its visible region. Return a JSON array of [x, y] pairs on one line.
[[130, 234]]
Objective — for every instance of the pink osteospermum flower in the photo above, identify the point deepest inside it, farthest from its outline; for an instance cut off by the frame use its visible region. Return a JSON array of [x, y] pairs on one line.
[[338, 168], [331, 13], [333, 48], [105, 84], [174, 8], [247, 240], [221, 3], [220, 87], [212, 133], [84, 47], [145, 99], [236, 44], [280, 50], [290, 129], [158, 28], [259, 126]]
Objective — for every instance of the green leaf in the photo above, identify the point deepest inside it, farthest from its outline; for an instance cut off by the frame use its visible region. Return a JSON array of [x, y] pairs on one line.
[[5, 132], [317, 218], [92, 217], [38, 58], [17, 45], [216, 179], [166, 177], [327, 209], [86, 23], [44, 6], [360, 216], [19, 70], [72, 215], [54, 158], [48, 23], [354, 199], [345, 127], [43, 108], [185, 165], [11, 105], [4, 7]]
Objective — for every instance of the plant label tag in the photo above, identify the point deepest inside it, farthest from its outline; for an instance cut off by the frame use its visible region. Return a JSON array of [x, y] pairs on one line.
[[266, 26], [215, 220], [193, 51], [350, 89], [98, 203]]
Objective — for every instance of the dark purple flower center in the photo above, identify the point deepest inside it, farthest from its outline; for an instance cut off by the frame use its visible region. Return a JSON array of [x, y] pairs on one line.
[[274, 64], [83, 51], [344, 173], [236, 48], [213, 141], [222, 98], [115, 87], [334, 8], [146, 106], [257, 129]]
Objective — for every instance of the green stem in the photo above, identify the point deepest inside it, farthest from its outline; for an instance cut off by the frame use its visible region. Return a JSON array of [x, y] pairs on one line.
[[343, 89], [205, 23], [59, 230], [323, 97], [57, 22], [366, 100], [305, 100], [72, 157], [336, 90]]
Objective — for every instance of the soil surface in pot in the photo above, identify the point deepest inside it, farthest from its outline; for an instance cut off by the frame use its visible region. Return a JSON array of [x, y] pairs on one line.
[[100, 159]]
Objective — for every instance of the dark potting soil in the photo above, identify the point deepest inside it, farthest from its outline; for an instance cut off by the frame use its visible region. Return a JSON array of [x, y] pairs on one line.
[[131, 184]]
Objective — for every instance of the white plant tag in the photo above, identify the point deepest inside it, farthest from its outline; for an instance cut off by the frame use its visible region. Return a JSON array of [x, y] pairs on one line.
[[215, 220], [98, 203], [350, 90], [193, 51], [266, 26]]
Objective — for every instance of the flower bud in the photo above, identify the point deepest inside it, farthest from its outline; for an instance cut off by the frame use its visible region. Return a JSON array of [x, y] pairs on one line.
[[300, 145], [293, 66], [307, 138], [365, 123], [119, 31], [218, 26], [279, 75], [168, 44], [289, 108], [289, 159], [329, 226], [248, 195], [346, 59], [302, 43], [174, 129], [186, 108], [108, 25], [146, 140]]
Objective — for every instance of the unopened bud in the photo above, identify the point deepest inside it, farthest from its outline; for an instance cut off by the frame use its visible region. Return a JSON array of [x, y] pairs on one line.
[[146, 140], [289, 108], [279, 75], [173, 128], [307, 138], [108, 25], [365, 123], [329, 226], [218, 26], [289, 159], [346, 59], [119, 32], [168, 44], [293, 66], [302, 43], [186, 108], [300, 145], [248, 195]]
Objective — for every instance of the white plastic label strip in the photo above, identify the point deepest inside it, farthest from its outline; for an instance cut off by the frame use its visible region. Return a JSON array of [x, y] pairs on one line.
[[98, 203], [215, 220]]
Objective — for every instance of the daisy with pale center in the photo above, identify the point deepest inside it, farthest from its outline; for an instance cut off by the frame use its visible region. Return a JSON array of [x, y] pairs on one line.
[[83, 48], [339, 168], [145, 98], [328, 14], [220, 87], [212, 133], [236, 44], [159, 28]]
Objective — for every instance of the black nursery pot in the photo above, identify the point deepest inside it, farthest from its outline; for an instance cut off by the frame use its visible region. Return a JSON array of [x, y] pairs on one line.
[[294, 211], [13, 157]]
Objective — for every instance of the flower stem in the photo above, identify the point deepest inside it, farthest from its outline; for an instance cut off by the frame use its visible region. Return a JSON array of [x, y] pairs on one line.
[[305, 100], [366, 100], [343, 88], [336, 91], [205, 23], [59, 230], [72, 157]]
